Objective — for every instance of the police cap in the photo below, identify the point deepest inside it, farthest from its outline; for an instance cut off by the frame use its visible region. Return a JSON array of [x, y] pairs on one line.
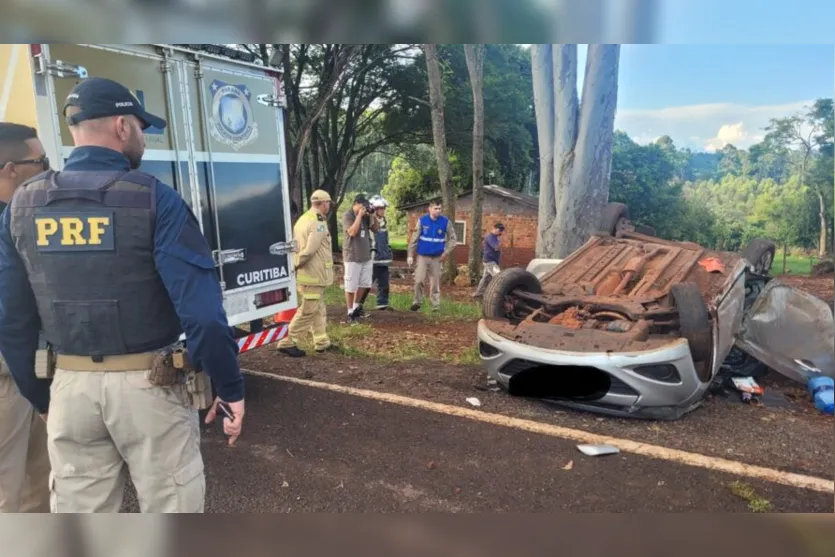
[[320, 195], [98, 97]]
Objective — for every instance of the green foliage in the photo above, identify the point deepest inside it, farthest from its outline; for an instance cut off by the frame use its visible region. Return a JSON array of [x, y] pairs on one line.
[[773, 190], [509, 126], [643, 179]]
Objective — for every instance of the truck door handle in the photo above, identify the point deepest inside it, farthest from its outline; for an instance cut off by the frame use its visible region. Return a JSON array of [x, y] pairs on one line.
[[283, 248], [229, 256]]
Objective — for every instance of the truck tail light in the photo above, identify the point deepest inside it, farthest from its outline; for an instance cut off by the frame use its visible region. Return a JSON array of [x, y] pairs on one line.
[[271, 297]]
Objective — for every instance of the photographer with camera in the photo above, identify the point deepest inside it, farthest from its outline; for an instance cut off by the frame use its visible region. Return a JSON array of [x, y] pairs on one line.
[[359, 224]]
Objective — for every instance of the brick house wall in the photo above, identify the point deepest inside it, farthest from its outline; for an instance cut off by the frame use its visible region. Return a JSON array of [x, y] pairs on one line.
[[518, 240]]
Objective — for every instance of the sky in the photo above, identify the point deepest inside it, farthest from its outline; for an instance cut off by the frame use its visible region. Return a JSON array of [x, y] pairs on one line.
[[706, 96]]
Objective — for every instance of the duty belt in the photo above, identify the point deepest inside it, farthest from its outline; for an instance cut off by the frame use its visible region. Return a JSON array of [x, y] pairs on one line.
[[125, 362]]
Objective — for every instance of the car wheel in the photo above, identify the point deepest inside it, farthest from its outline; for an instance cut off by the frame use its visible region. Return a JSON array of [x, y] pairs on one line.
[[694, 323], [760, 254], [495, 304], [614, 216]]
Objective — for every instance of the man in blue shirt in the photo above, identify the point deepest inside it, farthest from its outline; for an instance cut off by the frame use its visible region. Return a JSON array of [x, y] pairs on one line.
[[433, 239], [24, 460], [491, 248], [112, 266]]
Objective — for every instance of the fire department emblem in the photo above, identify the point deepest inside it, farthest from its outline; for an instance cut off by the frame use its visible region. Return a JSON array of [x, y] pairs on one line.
[[232, 122]]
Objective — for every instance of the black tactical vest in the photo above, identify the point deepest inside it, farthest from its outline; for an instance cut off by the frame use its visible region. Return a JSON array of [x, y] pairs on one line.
[[87, 240]]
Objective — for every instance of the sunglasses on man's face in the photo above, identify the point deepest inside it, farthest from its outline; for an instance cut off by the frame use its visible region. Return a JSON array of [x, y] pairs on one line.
[[42, 161]]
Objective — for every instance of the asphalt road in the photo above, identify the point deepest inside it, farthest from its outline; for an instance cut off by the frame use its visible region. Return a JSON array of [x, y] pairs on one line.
[[306, 449]]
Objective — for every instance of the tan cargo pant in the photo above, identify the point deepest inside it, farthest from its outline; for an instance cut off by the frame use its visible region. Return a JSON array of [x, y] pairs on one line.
[[24, 460], [105, 425], [432, 267], [310, 317]]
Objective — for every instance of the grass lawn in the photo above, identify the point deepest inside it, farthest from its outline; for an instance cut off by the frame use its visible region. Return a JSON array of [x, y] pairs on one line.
[[401, 301], [795, 264], [399, 242], [401, 344]]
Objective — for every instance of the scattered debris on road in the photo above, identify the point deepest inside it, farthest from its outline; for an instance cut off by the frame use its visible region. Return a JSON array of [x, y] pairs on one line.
[[749, 388], [569, 466], [474, 401], [598, 450]]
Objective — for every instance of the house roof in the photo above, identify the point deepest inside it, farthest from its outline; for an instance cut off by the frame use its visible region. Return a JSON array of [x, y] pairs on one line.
[[520, 198]]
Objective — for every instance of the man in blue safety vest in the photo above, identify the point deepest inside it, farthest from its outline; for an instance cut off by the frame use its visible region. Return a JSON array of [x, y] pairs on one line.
[[432, 240]]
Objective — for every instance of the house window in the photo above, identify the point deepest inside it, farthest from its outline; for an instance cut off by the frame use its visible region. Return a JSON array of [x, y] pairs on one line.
[[461, 232]]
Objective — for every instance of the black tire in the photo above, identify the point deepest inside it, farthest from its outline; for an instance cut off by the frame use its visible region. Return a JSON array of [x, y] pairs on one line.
[[760, 254], [613, 214], [493, 305], [694, 323]]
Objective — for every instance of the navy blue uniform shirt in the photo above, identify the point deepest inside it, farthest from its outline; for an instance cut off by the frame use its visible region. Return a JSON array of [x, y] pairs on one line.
[[190, 279], [492, 251]]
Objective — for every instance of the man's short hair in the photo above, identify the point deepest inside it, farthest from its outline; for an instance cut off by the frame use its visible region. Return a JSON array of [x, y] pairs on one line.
[[360, 198], [435, 203], [499, 226], [13, 139]]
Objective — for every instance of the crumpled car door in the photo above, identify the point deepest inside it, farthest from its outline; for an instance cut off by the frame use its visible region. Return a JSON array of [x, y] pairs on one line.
[[790, 331]]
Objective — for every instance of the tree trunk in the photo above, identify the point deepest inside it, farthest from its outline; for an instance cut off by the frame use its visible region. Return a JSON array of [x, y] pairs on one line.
[[543, 94], [785, 250], [822, 243], [436, 102], [475, 65], [582, 144]]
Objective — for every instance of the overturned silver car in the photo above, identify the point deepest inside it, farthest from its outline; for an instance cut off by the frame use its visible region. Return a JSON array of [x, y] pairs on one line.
[[629, 324]]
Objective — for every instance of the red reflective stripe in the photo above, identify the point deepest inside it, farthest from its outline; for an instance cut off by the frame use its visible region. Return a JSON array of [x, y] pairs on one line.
[[257, 340]]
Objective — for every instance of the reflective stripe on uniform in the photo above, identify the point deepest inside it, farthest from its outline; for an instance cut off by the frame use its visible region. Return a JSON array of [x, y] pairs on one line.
[[304, 278], [311, 296], [436, 240]]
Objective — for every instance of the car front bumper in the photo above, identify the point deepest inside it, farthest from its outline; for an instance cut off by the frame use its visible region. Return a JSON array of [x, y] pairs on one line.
[[630, 393]]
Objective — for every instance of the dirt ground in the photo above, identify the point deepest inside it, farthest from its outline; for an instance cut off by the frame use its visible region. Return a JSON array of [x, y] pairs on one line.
[[823, 287]]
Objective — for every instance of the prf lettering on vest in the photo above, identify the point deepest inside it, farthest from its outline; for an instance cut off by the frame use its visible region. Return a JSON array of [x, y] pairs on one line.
[[77, 231]]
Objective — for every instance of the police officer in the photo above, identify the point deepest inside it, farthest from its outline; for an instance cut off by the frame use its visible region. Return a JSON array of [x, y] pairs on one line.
[[112, 264], [24, 460], [314, 273]]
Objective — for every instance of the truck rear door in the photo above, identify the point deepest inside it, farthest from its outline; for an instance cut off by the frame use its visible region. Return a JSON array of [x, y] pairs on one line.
[[239, 153]]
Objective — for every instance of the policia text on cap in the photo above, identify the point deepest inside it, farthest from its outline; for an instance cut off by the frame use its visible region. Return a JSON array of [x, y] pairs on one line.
[[111, 265]]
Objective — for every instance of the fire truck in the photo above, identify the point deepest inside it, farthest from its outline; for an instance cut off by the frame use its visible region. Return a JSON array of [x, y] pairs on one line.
[[223, 151]]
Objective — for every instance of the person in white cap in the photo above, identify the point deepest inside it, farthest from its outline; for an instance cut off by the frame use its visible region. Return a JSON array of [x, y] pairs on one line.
[[382, 255]]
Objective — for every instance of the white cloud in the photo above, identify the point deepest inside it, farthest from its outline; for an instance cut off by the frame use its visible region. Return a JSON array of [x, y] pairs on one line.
[[705, 126]]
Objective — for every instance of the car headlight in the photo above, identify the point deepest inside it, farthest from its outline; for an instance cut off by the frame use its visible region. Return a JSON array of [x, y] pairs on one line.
[[486, 350]]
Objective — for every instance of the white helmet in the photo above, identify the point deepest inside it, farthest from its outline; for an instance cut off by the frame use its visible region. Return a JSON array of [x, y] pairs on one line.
[[377, 201]]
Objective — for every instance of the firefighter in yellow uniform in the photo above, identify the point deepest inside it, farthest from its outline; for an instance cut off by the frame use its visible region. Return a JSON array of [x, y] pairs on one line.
[[314, 272]]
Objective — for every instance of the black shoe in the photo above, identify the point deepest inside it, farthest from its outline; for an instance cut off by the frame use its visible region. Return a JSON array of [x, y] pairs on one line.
[[293, 352], [359, 313], [414, 307], [329, 348], [384, 308]]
